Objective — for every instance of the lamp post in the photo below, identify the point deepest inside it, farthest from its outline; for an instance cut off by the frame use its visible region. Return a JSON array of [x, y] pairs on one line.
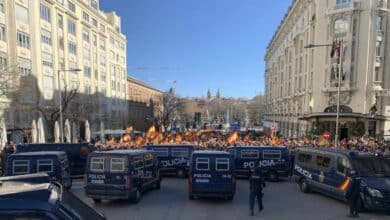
[[338, 84], [60, 96]]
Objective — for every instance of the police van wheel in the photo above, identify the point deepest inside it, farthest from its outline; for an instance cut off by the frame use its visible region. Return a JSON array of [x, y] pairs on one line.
[[181, 173], [304, 186], [137, 196]]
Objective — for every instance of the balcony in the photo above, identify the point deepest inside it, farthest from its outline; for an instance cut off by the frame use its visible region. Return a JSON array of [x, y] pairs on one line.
[[382, 6], [353, 5]]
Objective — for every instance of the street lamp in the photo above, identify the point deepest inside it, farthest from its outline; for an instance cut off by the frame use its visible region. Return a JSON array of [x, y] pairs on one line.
[[60, 96], [338, 85]]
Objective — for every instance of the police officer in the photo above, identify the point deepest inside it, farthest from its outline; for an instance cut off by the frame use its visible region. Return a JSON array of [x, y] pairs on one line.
[[353, 195], [256, 184]]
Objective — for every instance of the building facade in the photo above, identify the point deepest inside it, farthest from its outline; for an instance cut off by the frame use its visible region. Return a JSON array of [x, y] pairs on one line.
[[145, 104], [40, 38], [301, 82]]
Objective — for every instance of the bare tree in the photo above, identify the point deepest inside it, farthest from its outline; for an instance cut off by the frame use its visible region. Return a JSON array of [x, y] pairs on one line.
[[170, 105]]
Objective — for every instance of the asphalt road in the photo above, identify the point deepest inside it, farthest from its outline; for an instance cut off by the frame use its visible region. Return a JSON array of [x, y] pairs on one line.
[[282, 200]]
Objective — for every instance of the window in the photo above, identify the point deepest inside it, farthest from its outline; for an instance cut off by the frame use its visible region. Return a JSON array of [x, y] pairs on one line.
[[86, 36], [222, 164], [250, 154], [46, 37], [343, 165], [60, 21], [138, 163], [20, 166], [148, 160], [2, 7], [161, 152], [202, 163], [94, 22], [45, 166], [340, 2], [94, 4], [112, 40], [379, 23], [117, 165], [71, 27], [72, 48], [71, 7], [23, 40], [3, 61], [103, 61], [322, 161], [272, 155], [24, 66], [48, 86], [87, 71], [102, 28], [2, 33], [304, 158], [21, 14], [47, 59], [97, 164], [102, 44], [86, 53], [341, 26], [45, 12], [103, 76], [87, 88], [85, 16]]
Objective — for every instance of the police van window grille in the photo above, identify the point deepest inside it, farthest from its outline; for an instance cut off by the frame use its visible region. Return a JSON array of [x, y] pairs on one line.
[[222, 164], [148, 160], [138, 163], [97, 164], [202, 164], [304, 158], [20, 166], [322, 161], [161, 152], [272, 155], [117, 165], [250, 154], [179, 152], [45, 166]]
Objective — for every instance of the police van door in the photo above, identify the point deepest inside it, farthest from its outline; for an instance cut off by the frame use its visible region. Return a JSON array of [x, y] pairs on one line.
[[341, 180], [150, 173]]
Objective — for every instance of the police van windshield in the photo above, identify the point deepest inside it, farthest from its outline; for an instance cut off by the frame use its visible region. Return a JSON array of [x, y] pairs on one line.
[[372, 166]]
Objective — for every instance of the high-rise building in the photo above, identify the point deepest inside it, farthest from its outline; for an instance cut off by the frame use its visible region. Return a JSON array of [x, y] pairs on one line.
[[41, 38], [301, 82]]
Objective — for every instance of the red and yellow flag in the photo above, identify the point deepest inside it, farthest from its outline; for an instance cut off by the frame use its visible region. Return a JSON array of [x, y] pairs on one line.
[[140, 141], [158, 138], [345, 184], [233, 138], [150, 131]]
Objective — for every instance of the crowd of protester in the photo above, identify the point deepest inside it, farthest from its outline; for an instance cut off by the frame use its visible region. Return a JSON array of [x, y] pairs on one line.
[[217, 141]]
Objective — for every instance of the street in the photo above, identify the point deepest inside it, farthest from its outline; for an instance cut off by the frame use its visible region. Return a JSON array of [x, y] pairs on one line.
[[282, 200]]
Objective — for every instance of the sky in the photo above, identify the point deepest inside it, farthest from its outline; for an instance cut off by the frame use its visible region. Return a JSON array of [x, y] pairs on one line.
[[199, 44]]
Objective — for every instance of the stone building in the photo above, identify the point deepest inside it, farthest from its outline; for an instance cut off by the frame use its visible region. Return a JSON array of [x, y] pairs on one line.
[[40, 38], [145, 104], [301, 83]]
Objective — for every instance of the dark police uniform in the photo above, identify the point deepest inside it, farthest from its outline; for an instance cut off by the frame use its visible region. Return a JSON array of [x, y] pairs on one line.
[[256, 183], [353, 196]]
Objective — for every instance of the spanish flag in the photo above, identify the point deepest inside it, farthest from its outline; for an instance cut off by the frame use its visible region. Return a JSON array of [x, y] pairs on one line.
[[233, 137], [140, 141], [150, 131], [157, 138], [345, 184], [198, 133]]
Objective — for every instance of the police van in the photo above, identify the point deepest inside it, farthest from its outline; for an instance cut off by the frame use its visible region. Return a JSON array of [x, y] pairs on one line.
[[121, 174], [41, 200], [274, 161], [77, 153], [327, 171], [212, 175], [54, 163], [173, 159]]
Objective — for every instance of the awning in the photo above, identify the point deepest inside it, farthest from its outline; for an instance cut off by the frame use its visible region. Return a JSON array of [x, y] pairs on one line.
[[342, 115]]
